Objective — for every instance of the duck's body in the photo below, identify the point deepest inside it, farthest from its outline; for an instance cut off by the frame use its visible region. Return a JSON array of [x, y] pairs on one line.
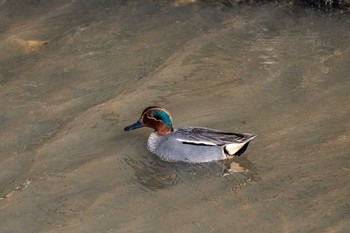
[[190, 144]]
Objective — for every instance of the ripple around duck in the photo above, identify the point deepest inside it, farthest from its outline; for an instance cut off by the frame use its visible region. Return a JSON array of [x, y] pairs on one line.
[[148, 173]]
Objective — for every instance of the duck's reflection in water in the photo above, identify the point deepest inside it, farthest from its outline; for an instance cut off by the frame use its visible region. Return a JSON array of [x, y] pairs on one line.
[[152, 174]]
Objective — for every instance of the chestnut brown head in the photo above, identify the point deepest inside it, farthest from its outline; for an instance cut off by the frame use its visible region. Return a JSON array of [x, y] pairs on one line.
[[154, 117]]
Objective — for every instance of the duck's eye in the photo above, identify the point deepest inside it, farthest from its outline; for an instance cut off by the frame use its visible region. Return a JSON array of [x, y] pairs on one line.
[[154, 115]]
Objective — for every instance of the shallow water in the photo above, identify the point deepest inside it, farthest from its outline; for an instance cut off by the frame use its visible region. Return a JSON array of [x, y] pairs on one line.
[[74, 73]]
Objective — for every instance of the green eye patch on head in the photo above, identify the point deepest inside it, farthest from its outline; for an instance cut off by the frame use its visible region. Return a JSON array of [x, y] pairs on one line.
[[163, 116]]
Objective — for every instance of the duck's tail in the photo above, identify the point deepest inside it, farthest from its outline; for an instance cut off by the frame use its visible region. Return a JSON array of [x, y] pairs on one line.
[[237, 149]]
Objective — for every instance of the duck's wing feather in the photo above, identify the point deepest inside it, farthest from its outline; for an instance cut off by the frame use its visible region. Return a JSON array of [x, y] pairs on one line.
[[210, 137]]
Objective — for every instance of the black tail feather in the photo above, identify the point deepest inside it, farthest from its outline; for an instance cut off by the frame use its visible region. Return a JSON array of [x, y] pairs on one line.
[[242, 150]]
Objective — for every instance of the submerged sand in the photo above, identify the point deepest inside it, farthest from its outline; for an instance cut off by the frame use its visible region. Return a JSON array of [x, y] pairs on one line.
[[73, 74]]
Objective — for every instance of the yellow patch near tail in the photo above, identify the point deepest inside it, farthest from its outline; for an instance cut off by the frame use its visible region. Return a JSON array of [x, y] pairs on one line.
[[231, 149]]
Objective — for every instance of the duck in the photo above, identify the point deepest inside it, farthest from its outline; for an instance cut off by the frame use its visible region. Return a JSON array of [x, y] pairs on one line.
[[188, 144]]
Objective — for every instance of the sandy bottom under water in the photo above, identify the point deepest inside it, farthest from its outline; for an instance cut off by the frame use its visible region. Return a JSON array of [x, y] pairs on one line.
[[73, 74]]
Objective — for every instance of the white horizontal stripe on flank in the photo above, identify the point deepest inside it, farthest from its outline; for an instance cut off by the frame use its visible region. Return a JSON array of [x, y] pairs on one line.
[[197, 142]]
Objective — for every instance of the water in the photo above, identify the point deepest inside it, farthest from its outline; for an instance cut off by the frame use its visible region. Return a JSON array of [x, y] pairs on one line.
[[73, 74]]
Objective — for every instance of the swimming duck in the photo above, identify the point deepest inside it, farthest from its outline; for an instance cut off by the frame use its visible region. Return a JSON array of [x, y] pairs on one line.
[[189, 144]]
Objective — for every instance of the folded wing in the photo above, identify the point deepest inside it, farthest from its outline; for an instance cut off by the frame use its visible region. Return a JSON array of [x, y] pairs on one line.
[[211, 137]]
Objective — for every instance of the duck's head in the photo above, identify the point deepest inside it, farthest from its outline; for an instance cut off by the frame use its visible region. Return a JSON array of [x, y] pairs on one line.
[[157, 118]]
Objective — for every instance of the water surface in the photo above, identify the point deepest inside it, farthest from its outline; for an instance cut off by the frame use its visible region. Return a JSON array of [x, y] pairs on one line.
[[73, 74]]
